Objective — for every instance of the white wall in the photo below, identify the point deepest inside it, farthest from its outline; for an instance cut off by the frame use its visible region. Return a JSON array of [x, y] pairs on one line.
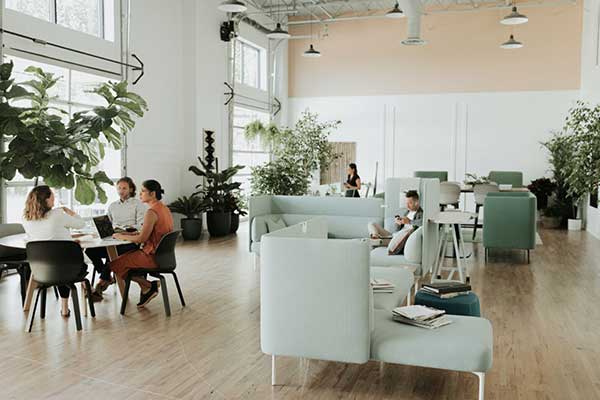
[[590, 79], [458, 133]]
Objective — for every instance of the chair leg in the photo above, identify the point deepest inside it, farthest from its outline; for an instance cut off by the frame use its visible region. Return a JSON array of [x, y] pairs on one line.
[[125, 294], [93, 276], [165, 295], [88, 286], [178, 289], [43, 304], [76, 310], [31, 315], [481, 377], [56, 293]]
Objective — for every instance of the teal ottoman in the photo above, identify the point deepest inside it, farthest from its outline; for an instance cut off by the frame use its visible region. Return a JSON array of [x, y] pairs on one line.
[[467, 304]]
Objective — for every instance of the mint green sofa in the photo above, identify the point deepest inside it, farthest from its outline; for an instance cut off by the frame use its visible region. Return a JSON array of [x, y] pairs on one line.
[[441, 175], [514, 178], [509, 221]]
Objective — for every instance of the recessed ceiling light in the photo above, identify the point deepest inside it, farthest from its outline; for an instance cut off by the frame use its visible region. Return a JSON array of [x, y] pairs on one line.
[[232, 6], [514, 18], [311, 52], [278, 33], [395, 12], [511, 43]]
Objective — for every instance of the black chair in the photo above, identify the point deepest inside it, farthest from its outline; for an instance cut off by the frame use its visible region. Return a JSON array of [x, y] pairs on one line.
[[14, 259], [165, 259], [58, 262]]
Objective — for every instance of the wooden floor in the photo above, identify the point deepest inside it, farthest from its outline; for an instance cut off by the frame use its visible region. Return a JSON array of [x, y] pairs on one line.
[[546, 319]]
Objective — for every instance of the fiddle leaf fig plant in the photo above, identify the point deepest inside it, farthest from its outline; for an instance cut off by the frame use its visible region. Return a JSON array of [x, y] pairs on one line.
[[43, 142]]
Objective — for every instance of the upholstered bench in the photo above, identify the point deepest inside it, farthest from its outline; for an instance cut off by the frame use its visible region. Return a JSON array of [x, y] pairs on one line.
[[467, 304], [464, 345]]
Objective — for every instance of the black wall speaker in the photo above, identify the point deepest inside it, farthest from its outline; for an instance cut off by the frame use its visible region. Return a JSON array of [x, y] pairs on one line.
[[227, 28]]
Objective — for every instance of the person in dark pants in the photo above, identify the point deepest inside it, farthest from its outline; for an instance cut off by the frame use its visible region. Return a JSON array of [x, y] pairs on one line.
[[352, 184], [126, 213]]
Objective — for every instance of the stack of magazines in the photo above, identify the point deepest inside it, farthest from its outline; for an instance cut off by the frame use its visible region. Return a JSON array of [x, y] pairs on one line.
[[382, 286], [446, 290], [421, 316]]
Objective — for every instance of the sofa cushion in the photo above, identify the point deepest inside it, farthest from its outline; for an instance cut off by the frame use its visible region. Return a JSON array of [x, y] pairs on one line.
[[380, 258], [403, 279], [275, 223], [464, 345], [258, 227], [413, 249]]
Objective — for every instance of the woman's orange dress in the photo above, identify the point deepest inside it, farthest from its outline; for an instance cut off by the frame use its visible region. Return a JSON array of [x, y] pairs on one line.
[[144, 258]]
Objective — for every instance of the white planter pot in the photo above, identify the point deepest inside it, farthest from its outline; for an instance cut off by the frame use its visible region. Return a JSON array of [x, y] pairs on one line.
[[574, 224]]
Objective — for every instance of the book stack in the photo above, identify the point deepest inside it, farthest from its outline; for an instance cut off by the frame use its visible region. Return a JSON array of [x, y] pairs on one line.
[[382, 286], [421, 316], [446, 290]]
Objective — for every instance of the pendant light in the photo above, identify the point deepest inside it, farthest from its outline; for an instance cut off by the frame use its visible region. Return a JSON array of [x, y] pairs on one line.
[[511, 43], [395, 12], [514, 18], [232, 6], [278, 33], [311, 52]]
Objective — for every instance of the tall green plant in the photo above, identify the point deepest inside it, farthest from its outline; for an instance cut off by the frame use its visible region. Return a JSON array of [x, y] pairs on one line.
[[298, 152], [219, 191], [560, 148], [62, 154]]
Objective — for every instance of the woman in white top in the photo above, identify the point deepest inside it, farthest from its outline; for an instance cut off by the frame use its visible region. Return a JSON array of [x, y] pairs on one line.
[[43, 222]]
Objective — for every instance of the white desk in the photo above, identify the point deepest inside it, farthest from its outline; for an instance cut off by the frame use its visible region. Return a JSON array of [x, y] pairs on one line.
[[451, 221], [20, 242]]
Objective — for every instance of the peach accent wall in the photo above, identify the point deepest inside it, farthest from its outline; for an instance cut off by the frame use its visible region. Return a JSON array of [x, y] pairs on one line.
[[462, 55]]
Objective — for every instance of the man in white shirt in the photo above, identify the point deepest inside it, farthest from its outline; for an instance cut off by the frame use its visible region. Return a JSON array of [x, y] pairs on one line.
[[126, 213]]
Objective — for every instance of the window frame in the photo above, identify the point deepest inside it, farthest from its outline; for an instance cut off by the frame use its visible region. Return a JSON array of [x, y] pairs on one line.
[[260, 52]]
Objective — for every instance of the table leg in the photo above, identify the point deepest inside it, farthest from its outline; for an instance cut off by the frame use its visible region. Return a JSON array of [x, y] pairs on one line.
[[29, 295], [457, 250], [461, 243], [113, 254]]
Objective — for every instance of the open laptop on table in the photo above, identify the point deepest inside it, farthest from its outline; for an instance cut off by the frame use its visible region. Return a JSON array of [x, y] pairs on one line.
[[104, 226]]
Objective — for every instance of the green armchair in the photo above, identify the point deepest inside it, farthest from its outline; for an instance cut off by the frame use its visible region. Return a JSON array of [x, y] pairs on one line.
[[441, 175], [514, 178], [509, 221]]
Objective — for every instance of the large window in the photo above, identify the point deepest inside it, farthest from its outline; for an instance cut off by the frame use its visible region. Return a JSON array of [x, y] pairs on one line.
[[94, 17], [245, 152], [70, 96], [250, 64]]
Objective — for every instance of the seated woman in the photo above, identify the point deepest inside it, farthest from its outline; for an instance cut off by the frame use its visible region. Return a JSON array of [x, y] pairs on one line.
[[44, 222], [158, 221]]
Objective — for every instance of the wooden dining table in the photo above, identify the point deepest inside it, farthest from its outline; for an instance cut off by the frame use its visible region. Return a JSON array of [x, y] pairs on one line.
[[19, 241]]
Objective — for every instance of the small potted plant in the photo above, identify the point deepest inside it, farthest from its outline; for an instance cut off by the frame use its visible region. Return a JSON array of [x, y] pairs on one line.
[[542, 188], [192, 207], [473, 179], [216, 193], [238, 206]]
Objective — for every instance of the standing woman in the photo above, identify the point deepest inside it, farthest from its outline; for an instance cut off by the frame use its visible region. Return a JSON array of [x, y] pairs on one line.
[[352, 184], [44, 222], [158, 221]]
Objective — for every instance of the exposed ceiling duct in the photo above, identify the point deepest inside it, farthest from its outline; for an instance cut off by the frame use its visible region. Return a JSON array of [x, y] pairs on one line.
[[414, 11]]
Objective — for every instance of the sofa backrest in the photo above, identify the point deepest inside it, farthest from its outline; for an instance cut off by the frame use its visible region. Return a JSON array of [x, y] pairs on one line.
[[347, 218], [441, 175], [315, 295], [514, 178], [429, 198]]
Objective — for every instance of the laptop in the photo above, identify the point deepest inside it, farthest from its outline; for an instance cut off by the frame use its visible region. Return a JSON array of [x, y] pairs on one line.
[[104, 226]]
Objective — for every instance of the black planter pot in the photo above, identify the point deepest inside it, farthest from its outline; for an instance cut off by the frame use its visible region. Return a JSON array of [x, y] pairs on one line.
[[542, 202], [235, 222], [218, 222], [191, 228]]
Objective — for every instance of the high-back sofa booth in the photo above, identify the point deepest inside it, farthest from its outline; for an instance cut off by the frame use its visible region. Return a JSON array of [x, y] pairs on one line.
[[316, 303], [348, 218]]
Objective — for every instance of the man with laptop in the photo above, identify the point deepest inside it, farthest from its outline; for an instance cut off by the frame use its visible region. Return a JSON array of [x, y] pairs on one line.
[[125, 214]]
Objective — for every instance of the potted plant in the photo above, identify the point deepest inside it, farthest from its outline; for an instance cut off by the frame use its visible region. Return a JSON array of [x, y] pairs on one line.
[[192, 207], [552, 216], [216, 193], [237, 205], [42, 146], [473, 179], [542, 188]]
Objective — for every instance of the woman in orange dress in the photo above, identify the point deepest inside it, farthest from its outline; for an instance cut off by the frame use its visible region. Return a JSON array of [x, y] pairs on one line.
[[158, 221]]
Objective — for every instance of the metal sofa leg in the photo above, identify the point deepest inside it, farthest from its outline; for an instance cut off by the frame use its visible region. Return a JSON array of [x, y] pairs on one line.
[[481, 376], [273, 371]]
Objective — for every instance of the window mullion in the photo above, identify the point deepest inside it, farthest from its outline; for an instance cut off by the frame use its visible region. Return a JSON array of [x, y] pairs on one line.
[[54, 11]]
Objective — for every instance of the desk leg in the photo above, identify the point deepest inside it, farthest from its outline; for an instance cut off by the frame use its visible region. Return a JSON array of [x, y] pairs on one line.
[[29, 295], [113, 254]]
